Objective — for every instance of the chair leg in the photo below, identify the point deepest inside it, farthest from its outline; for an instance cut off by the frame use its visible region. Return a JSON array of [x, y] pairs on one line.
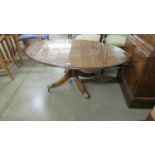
[[48, 38], [7, 69], [26, 43], [18, 48], [102, 71], [20, 56], [39, 38], [69, 36]]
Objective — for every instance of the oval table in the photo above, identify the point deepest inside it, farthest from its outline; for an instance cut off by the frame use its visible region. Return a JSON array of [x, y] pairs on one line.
[[75, 56]]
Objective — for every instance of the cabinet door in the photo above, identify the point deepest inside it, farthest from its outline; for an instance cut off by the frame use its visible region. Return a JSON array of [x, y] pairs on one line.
[[134, 71], [146, 87]]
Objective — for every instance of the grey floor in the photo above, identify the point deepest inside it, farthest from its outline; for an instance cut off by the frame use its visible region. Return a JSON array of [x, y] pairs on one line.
[[26, 98]]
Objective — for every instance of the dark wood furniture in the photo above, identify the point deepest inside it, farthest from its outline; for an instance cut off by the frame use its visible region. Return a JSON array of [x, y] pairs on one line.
[[151, 115], [10, 53], [27, 37], [138, 78], [74, 56]]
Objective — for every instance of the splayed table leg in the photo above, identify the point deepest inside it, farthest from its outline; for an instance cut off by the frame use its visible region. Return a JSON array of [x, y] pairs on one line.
[[69, 74]]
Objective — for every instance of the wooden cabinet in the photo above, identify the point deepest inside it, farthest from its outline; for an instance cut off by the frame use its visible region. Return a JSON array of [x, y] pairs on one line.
[[138, 78]]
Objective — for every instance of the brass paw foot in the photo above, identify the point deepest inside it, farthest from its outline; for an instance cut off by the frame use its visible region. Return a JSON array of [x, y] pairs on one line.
[[85, 95]]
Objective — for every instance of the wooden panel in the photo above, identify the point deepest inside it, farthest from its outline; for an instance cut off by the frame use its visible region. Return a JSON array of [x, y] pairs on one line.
[[147, 83], [131, 100], [138, 79], [135, 69], [148, 38]]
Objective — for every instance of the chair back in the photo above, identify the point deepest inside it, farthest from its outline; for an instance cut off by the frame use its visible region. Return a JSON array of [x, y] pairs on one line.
[[39, 37], [6, 56], [6, 51], [13, 44]]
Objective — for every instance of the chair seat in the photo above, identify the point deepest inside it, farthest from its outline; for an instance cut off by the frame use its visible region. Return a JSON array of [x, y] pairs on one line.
[[116, 40], [32, 36], [88, 37]]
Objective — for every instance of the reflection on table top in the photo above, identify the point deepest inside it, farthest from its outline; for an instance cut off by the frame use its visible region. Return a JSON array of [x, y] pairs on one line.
[[76, 54]]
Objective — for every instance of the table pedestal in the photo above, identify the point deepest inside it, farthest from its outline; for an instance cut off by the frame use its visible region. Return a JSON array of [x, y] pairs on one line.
[[73, 74]]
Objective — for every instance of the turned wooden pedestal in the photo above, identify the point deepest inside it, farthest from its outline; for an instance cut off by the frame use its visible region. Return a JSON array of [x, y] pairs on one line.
[[73, 74]]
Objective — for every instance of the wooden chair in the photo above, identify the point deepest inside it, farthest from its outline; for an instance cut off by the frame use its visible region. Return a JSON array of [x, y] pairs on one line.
[[6, 57], [69, 36], [27, 37], [89, 37], [116, 39], [13, 43]]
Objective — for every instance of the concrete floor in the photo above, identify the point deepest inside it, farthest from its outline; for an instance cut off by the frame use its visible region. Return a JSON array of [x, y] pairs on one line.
[[26, 98]]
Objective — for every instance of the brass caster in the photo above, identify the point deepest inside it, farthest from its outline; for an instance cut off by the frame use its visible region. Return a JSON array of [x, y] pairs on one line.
[[85, 95], [49, 87]]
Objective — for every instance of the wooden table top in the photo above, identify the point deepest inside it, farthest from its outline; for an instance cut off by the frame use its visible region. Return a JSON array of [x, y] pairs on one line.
[[77, 54]]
